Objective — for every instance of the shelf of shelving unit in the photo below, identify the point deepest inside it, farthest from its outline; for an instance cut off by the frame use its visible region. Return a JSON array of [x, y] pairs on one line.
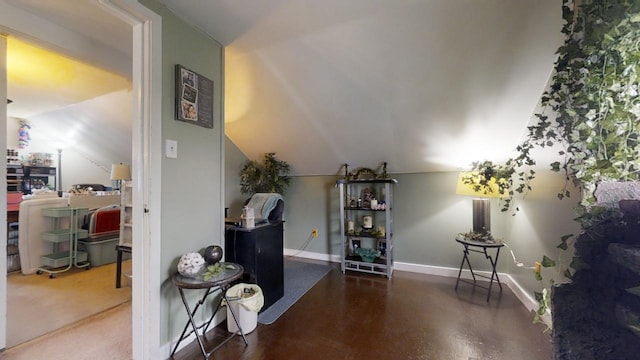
[[62, 260], [126, 214], [125, 241], [13, 254], [368, 238]]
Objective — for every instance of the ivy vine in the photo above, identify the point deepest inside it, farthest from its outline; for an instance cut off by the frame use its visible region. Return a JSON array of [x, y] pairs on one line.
[[590, 110]]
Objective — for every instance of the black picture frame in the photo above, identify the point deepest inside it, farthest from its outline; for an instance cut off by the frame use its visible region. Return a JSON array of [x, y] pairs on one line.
[[354, 244], [194, 97], [367, 195], [382, 247]]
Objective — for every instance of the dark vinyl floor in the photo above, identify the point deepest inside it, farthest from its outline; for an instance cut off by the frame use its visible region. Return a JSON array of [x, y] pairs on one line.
[[411, 316]]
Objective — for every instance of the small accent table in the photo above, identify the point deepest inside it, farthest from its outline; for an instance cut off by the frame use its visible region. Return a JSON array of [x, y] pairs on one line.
[[221, 283], [480, 247]]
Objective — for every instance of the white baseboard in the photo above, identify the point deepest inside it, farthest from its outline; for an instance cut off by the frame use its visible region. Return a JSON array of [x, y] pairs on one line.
[[166, 349], [525, 298]]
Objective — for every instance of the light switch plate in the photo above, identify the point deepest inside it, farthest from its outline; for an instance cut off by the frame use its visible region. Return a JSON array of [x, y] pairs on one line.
[[171, 150]]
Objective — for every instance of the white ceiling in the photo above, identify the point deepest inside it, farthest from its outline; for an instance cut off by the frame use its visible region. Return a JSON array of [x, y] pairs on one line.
[[425, 85], [46, 72]]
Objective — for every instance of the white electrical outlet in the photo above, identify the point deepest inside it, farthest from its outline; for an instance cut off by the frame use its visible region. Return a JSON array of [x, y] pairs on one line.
[[171, 149]]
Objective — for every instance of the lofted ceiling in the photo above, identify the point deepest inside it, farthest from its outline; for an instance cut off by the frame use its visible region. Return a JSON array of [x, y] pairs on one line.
[[425, 85], [45, 73], [67, 78], [40, 81]]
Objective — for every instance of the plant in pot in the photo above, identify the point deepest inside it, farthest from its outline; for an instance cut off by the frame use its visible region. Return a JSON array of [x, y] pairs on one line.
[[269, 176]]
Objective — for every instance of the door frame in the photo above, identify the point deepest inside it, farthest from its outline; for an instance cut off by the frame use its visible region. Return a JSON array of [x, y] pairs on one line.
[[146, 173]]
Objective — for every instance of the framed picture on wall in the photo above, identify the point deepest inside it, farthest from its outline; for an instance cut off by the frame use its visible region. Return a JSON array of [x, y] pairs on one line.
[[194, 98]]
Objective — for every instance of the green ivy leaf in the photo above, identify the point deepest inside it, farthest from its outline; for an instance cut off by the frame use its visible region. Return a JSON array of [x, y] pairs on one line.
[[547, 262]]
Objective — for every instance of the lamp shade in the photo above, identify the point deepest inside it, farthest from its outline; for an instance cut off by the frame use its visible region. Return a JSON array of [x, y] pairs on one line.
[[120, 172], [481, 207], [491, 190]]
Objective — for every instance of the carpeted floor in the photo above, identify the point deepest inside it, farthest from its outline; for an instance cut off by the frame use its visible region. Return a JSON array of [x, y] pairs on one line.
[[299, 277], [37, 305], [83, 340]]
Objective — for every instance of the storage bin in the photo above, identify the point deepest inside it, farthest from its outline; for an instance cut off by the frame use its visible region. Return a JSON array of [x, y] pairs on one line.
[[101, 252]]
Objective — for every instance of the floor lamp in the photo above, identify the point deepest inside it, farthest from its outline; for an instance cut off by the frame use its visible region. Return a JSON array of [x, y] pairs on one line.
[[59, 187], [481, 204]]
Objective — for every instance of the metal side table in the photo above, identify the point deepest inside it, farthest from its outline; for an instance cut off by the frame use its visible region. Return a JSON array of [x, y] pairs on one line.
[[482, 248], [220, 283]]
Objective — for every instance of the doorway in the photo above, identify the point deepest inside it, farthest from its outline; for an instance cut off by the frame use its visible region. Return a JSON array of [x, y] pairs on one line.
[[147, 89], [91, 125]]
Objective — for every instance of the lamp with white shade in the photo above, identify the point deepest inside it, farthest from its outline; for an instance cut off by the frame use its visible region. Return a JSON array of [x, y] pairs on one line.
[[120, 172]]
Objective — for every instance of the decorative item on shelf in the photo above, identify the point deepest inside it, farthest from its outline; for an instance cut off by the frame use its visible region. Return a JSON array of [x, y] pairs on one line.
[[350, 226], [382, 247], [119, 172], [354, 245], [368, 194], [191, 264], [24, 138], [367, 222], [368, 255], [483, 236], [213, 254], [40, 159], [364, 173], [374, 204], [482, 187]]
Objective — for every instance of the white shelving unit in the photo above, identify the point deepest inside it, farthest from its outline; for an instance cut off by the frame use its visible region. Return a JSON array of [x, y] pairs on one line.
[[375, 235], [126, 214], [62, 260], [125, 241]]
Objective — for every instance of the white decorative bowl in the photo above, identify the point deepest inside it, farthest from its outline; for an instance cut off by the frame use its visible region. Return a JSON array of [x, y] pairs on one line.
[[190, 264]]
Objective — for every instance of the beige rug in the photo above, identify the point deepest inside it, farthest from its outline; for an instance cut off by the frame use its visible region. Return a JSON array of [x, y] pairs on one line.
[[106, 336], [37, 305]]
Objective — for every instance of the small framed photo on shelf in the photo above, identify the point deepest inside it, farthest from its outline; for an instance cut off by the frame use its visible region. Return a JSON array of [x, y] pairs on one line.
[[368, 194], [382, 247], [354, 244]]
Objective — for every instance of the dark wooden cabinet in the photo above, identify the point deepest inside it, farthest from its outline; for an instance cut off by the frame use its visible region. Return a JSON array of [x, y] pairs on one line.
[[260, 252]]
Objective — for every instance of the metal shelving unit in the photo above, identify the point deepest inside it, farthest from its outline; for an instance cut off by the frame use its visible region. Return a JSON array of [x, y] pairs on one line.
[[355, 234]]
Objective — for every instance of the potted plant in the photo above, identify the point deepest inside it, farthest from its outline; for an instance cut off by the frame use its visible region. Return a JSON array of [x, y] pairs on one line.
[[269, 176]]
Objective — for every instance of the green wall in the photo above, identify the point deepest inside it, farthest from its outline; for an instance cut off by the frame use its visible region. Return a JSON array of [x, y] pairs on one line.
[[234, 162], [192, 194], [427, 216]]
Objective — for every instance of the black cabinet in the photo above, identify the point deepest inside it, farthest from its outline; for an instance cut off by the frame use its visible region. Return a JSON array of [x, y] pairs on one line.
[[260, 252]]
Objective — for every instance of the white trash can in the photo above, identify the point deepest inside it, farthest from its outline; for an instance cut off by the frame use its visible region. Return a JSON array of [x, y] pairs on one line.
[[246, 300]]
